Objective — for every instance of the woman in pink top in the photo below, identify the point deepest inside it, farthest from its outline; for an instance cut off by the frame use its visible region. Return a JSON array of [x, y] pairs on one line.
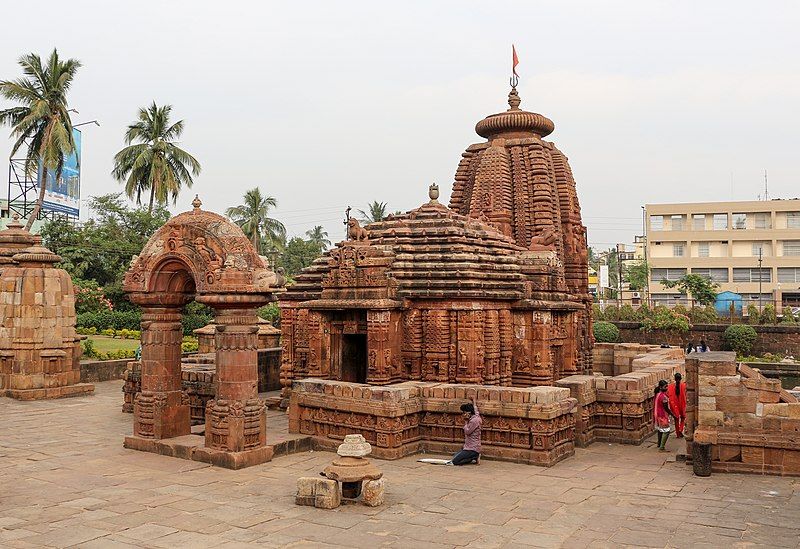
[[661, 414], [472, 436]]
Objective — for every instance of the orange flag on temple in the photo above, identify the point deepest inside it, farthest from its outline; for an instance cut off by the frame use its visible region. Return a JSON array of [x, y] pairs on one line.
[[515, 60]]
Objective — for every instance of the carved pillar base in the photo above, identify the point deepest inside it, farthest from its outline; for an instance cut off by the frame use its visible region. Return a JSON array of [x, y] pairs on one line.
[[159, 415], [235, 425]]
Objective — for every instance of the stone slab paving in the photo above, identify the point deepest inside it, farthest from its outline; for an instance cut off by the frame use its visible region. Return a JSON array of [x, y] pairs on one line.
[[66, 480]]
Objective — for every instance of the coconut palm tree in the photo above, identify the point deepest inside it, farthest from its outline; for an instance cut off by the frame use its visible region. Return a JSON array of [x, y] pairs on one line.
[[319, 237], [377, 212], [41, 122], [253, 218], [152, 162]]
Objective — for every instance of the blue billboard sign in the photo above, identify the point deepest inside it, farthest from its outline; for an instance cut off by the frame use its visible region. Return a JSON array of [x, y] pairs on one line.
[[63, 195]]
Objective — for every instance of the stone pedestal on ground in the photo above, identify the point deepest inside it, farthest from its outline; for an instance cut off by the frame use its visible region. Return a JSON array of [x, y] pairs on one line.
[[350, 478]]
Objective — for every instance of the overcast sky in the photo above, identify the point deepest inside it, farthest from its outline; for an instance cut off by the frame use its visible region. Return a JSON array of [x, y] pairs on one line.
[[330, 104]]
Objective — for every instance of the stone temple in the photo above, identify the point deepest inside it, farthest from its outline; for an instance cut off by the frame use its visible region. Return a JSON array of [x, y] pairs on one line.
[[388, 332], [491, 290]]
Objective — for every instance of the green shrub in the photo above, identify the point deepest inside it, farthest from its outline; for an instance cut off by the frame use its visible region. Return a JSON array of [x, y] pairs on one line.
[[627, 312], [192, 322], [108, 332], [666, 319], [703, 315], [643, 312], [270, 313], [788, 316], [116, 320], [753, 316], [605, 332], [681, 310], [88, 348], [740, 338], [89, 297], [597, 313], [189, 346], [611, 312], [768, 315]]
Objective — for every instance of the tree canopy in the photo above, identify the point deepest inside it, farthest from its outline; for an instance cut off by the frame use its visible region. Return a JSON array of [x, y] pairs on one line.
[[701, 288], [41, 121], [253, 218], [376, 211], [101, 249], [319, 237], [152, 162]]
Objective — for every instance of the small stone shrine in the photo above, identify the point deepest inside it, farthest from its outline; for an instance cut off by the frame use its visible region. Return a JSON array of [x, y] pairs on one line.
[[350, 478], [201, 255], [39, 348]]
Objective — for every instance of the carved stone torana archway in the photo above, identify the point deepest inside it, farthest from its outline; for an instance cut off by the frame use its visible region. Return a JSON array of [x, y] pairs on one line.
[[201, 255]]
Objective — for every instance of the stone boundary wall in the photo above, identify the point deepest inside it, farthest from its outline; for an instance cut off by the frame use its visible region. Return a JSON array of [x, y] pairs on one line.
[[618, 407], [529, 425], [93, 371], [752, 425], [778, 339]]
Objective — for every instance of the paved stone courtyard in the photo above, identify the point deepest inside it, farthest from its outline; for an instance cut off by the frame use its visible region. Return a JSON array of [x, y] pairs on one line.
[[66, 480]]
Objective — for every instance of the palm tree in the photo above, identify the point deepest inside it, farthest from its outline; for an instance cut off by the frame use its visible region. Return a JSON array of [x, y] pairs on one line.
[[155, 163], [377, 212], [42, 121], [319, 237], [253, 218]]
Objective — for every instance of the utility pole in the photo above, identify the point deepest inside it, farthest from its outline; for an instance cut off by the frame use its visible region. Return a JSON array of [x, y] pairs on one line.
[[759, 278]]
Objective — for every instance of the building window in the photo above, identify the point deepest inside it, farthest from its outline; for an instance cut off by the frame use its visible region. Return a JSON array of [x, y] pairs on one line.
[[720, 222], [759, 249], [677, 250], [699, 222], [793, 220], [752, 275], [657, 222], [789, 274], [791, 247], [657, 275], [739, 221], [702, 249], [762, 221], [677, 222], [716, 274]]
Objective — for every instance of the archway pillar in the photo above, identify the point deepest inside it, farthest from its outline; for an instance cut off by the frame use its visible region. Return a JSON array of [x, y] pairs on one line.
[[161, 410], [236, 420]]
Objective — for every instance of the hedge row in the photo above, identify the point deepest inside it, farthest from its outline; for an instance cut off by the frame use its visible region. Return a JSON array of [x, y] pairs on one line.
[[131, 320]]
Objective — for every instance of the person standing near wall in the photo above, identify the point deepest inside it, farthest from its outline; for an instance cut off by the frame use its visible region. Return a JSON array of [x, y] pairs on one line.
[[661, 414], [676, 393]]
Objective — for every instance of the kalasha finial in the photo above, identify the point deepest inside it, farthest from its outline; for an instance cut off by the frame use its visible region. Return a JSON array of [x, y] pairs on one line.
[[433, 192], [196, 203], [15, 223]]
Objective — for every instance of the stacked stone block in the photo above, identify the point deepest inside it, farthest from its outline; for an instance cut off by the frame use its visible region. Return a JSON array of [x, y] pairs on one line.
[[751, 423], [529, 425]]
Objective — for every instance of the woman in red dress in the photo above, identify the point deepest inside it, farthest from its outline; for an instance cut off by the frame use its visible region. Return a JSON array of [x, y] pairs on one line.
[[661, 415], [676, 392]]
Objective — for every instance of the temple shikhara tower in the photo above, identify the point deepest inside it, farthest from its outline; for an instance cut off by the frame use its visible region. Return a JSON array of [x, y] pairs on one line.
[[491, 290]]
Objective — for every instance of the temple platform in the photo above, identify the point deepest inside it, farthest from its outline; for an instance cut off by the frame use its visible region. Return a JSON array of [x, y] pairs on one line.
[[192, 447]]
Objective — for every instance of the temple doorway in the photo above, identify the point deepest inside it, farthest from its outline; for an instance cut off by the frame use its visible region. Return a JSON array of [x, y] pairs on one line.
[[354, 358]]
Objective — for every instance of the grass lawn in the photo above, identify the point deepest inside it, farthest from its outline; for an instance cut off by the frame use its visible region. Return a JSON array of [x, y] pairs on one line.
[[105, 344]]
